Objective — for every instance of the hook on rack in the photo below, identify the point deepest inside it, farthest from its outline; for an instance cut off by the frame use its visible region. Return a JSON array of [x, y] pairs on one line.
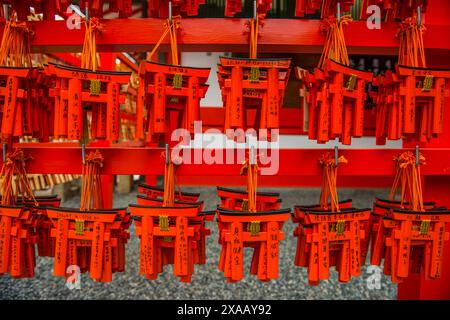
[[336, 156], [167, 154], [255, 11], [6, 11], [170, 11], [87, 11], [338, 13], [418, 16], [83, 154], [252, 155], [417, 155], [4, 152]]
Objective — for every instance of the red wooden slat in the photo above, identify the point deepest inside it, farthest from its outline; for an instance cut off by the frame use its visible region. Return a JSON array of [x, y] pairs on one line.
[[223, 35], [49, 158]]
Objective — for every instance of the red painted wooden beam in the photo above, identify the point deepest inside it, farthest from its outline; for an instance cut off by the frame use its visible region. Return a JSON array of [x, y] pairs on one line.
[[49, 158], [227, 35]]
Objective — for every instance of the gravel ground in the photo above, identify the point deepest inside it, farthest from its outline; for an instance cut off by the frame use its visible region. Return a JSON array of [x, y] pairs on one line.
[[207, 282]]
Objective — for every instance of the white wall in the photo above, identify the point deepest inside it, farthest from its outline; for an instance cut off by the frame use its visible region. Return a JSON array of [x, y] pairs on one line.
[[206, 60], [213, 99]]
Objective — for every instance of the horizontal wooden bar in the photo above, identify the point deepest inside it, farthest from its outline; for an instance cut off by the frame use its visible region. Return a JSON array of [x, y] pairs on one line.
[[227, 35], [49, 158]]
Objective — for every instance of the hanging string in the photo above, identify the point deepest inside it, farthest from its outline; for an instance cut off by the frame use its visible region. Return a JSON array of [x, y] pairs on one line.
[[91, 187], [254, 29], [15, 49], [251, 170], [170, 28], [334, 47], [173, 27], [397, 180], [89, 57], [411, 48], [252, 26], [14, 179], [169, 182], [328, 194], [408, 180]]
